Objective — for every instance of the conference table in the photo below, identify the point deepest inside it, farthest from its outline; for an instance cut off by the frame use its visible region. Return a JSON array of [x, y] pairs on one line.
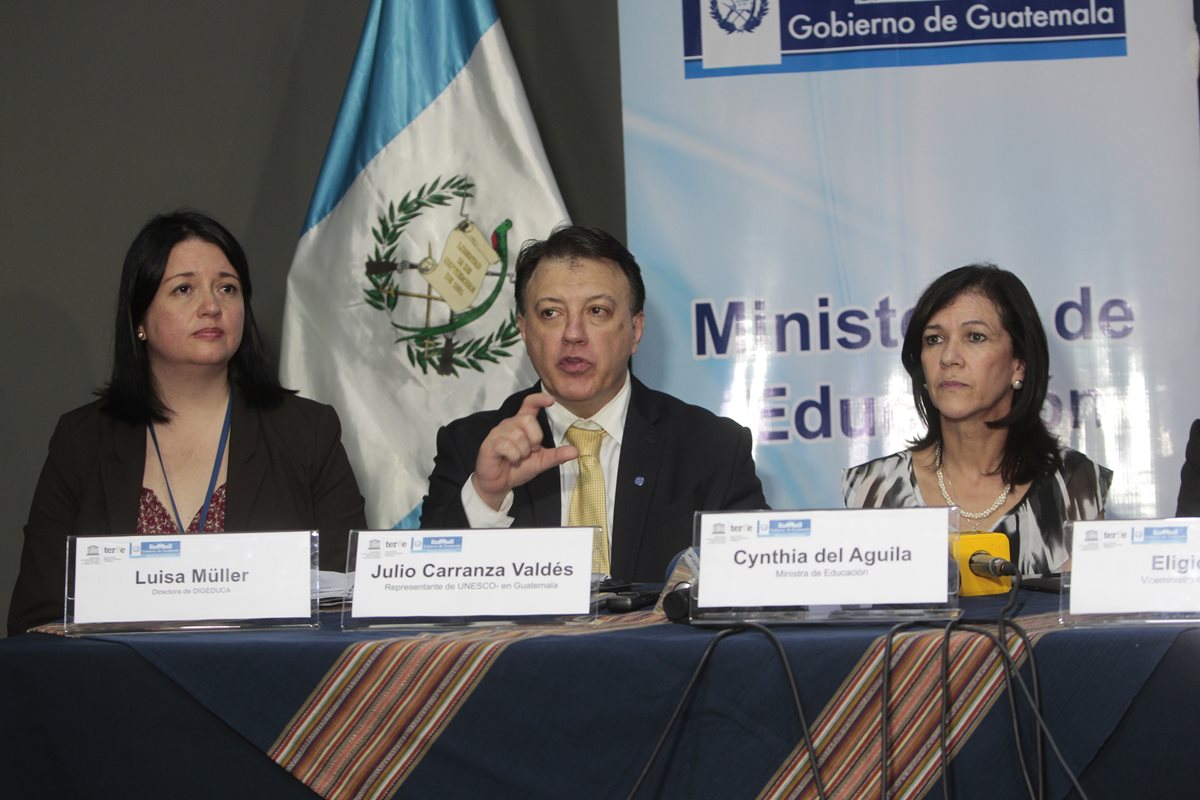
[[576, 709]]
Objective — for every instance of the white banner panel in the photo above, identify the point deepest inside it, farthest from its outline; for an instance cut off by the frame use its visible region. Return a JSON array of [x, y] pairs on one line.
[[1138, 567], [789, 203]]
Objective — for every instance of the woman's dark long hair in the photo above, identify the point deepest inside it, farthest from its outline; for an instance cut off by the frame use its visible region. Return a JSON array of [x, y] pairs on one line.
[[1030, 449], [130, 394]]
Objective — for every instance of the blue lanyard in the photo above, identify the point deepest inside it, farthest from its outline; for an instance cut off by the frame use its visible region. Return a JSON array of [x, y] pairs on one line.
[[216, 471]]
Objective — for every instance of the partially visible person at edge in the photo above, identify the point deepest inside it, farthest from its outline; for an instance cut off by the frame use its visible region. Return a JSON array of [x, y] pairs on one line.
[[580, 299], [1188, 504], [977, 355], [193, 402]]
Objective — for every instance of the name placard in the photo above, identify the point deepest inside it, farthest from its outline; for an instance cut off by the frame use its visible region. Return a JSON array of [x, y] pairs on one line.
[[179, 578], [1135, 566], [815, 558], [472, 573]]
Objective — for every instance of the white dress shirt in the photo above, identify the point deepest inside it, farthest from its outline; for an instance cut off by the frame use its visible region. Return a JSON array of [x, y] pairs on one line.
[[611, 418]]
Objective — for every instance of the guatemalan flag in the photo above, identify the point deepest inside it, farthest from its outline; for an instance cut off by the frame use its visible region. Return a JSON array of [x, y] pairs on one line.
[[400, 307]]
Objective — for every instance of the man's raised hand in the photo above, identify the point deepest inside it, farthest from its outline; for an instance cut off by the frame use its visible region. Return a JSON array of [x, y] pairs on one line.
[[512, 454]]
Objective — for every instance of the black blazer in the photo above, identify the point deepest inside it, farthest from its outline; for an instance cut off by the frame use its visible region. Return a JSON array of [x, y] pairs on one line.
[[287, 471], [1189, 477], [675, 459]]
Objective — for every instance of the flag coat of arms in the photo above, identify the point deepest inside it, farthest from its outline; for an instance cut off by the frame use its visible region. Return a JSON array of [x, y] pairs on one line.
[[399, 307]]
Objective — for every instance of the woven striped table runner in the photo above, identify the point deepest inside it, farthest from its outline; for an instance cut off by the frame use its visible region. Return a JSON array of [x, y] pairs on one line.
[[385, 702], [846, 735]]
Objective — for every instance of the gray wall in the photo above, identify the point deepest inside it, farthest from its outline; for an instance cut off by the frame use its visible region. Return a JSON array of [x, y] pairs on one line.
[[114, 111]]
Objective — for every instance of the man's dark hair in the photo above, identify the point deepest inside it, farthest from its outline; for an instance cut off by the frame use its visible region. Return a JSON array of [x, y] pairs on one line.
[[1029, 449], [570, 242], [130, 394]]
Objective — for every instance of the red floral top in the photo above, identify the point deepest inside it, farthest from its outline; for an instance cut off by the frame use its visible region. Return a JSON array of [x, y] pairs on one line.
[[154, 518]]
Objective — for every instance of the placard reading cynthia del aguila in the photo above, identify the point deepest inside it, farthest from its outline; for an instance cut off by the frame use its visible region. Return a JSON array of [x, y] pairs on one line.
[[471, 573], [808, 558]]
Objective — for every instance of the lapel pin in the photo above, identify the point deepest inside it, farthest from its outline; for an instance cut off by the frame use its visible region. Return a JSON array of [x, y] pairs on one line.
[[639, 481]]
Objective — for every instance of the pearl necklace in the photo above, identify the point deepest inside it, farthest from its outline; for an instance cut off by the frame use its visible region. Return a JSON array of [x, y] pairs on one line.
[[987, 512]]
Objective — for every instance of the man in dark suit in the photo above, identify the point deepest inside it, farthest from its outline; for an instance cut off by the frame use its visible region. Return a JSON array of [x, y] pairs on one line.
[[580, 299]]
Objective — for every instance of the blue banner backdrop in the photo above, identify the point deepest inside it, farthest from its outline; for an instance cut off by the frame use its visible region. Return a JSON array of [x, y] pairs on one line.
[[797, 172]]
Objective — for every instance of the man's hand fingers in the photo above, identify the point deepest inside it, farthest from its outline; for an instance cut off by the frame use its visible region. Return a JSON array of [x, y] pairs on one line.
[[549, 458], [534, 403], [512, 454], [512, 449]]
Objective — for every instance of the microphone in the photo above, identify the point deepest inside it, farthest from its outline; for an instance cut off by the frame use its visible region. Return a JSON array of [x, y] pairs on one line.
[[677, 603], [986, 565], [983, 564], [682, 574]]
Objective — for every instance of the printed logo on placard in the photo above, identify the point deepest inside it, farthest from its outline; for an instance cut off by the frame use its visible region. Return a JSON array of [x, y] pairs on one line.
[[785, 527], [437, 544], [169, 549], [1161, 534]]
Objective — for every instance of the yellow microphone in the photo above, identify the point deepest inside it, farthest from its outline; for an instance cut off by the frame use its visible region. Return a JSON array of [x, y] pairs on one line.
[[983, 563]]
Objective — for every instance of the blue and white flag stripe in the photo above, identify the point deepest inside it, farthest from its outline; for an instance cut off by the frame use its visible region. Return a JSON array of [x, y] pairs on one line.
[[408, 55], [433, 95]]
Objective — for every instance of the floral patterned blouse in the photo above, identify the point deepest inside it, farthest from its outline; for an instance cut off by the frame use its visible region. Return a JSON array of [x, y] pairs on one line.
[[154, 518], [1035, 525]]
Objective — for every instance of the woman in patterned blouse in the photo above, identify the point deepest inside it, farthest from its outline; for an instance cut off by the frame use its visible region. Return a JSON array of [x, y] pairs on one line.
[[977, 355]]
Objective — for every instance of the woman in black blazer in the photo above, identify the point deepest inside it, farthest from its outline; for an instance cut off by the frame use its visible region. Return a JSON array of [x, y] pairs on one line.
[[193, 432]]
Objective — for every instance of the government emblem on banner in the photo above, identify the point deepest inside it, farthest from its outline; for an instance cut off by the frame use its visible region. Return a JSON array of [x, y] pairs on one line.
[[738, 16], [817, 35], [430, 303]]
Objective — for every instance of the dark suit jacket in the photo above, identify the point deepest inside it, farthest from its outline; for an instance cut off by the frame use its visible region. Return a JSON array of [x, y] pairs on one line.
[[1189, 477], [287, 471], [675, 459]]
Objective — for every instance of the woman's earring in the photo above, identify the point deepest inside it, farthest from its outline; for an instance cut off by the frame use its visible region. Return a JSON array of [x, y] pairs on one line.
[[1017, 384], [141, 333]]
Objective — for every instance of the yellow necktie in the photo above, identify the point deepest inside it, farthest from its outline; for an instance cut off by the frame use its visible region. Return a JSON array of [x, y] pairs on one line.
[[588, 508]]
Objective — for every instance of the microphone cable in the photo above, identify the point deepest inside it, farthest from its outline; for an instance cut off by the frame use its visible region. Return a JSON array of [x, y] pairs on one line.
[[687, 691], [995, 567], [1018, 741], [885, 714], [1020, 681], [999, 567], [1036, 705], [1005, 620], [947, 708], [787, 670], [700, 667]]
